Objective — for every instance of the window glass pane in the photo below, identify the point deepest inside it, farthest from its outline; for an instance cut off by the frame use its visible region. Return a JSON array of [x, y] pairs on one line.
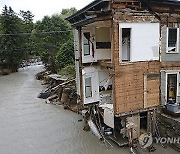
[[88, 81], [88, 92], [172, 39], [86, 50], [86, 43], [88, 88]]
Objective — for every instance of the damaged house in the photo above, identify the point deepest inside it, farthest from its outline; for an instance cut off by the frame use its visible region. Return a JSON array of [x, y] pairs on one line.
[[121, 46]]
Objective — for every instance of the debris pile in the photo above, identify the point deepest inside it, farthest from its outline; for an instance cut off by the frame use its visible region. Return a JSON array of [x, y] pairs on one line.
[[61, 90]]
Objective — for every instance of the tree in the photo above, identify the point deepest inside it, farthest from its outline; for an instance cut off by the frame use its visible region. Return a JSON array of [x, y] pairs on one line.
[[27, 26], [67, 12], [65, 56], [11, 43], [49, 35]]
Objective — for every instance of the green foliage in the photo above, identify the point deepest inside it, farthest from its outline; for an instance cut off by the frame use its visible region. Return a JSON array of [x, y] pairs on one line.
[[11, 44], [27, 26], [68, 70], [50, 38], [65, 56], [47, 44], [67, 12]]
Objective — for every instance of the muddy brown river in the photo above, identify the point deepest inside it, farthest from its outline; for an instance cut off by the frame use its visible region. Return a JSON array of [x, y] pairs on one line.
[[29, 126]]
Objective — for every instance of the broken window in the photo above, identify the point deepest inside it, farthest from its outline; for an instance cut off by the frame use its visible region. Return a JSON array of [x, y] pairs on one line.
[[171, 88], [86, 43], [88, 87], [173, 37], [126, 43]]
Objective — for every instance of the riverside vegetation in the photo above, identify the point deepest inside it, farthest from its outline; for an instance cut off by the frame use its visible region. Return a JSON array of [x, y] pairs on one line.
[[21, 38]]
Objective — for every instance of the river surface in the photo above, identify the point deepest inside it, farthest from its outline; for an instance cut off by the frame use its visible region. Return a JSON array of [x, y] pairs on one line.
[[30, 126]]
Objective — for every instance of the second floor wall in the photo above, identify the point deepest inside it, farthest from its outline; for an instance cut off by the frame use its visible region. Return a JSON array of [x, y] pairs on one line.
[[139, 41]]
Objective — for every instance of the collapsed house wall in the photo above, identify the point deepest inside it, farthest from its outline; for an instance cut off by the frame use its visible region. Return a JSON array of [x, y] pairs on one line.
[[98, 47], [97, 85]]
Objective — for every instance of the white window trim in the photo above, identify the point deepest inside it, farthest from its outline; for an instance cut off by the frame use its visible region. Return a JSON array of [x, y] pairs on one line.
[[82, 34], [177, 46], [86, 86], [177, 92]]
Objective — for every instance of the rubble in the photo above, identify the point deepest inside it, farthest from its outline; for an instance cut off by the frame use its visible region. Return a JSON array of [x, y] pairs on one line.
[[60, 90]]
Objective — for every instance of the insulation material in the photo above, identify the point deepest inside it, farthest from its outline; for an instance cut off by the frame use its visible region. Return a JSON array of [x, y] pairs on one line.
[[109, 117]]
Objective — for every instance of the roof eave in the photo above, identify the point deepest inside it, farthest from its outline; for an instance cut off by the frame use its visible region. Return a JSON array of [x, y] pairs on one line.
[[89, 6]]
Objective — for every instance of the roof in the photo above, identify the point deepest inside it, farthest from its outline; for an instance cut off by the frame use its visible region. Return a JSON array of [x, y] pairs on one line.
[[92, 4], [81, 17]]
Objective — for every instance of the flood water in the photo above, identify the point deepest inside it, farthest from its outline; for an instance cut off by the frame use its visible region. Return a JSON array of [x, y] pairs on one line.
[[29, 125]]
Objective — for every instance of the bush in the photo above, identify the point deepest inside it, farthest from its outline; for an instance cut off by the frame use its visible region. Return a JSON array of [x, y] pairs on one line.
[[68, 71], [65, 55], [6, 71]]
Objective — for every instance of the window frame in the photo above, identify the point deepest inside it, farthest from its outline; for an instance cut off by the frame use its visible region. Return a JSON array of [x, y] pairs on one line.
[[167, 39], [121, 45], [89, 45], [178, 81], [85, 86]]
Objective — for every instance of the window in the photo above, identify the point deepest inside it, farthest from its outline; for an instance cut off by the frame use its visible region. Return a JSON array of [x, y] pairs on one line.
[[88, 87], [126, 43], [173, 40], [171, 88], [86, 43]]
